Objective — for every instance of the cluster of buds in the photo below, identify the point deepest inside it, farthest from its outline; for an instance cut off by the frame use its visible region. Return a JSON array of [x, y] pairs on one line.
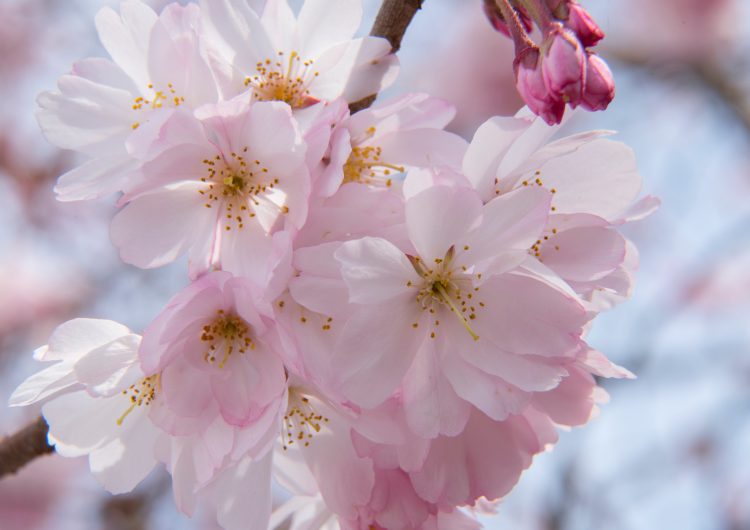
[[561, 69]]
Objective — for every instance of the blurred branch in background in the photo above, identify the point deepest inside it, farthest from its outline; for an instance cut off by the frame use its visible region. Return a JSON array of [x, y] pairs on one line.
[[24, 446], [132, 511], [718, 78]]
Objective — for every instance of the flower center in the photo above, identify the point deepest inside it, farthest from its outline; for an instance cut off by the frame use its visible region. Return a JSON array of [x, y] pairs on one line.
[[445, 286], [301, 421], [141, 393], [365, 165], [224, 336], [158, 100], [288, 81], [239, 186]]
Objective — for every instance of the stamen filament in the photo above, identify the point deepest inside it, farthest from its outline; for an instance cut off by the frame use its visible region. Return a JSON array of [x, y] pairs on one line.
[[445, 297]]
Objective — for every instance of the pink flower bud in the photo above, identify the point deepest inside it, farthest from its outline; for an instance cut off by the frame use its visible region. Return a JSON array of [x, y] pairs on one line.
[[580, 22], [532, 88], [495, 17], [564, 65], [600, 86]]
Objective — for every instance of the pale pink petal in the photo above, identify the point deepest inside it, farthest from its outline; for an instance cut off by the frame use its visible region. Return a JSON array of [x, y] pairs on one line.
[[95, 178], [458, 470], [509, 222], [431, 405], [243, 494], [490, 144], [123, 463], [374, 270], [254, 379], [44, 384], [375, 349], [409, 111], [572, 402], [322, 23], [355, 69], [79, 423], [600, 178], [524, 315], [86, 116], [422, 148], [439, 217], [398, 505], [248, 251], [332, 175], [157, 227], [345, 480], [76, 337], [126, 36], [490, 394], [280, 24], [186, 391], [108, 369], [584, 254]]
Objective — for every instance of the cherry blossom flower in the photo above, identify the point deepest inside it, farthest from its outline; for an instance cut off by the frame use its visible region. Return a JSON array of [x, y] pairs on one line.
[[430, 305], [209, 345], [301, 59], [377, 144], [156, 66], [223, 190], [96, 400], [595, 185], [554, 73]]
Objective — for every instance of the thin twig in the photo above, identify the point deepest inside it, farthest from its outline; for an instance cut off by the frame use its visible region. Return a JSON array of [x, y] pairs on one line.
[[391, 23], [712, 76], [24, 446]]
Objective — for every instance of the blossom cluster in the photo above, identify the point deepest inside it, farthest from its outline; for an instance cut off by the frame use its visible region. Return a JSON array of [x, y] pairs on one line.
[[562, 69], [387, 320]]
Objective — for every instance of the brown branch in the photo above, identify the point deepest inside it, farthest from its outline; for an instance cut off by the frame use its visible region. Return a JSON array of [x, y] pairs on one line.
[[390, 23], [24, 446], [723, 85], [711, 75]]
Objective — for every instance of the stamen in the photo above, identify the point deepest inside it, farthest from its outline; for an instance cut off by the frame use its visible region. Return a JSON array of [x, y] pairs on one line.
[[239, 186], [288, 82], [229, 331], [301, 422], [141, 393], [365, 165], [442, 285]]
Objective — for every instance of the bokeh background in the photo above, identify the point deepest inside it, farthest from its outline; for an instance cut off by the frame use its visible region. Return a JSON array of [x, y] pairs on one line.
[[670, 450]]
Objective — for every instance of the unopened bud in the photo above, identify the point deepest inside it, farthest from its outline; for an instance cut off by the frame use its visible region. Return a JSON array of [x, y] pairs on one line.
[[600, 85], [564, 65], [495, 17], [582, 24], [532, 88]]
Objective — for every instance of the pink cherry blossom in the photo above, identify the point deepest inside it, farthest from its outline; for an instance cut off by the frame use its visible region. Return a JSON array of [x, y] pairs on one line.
[[414, 311], [485, 461], [96, 400], [156, 67], [223, 190], [209, 347], [300, 59], [375, 145], [595, 185]]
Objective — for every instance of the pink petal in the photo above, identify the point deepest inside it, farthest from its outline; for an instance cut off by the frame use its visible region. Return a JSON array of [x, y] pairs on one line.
[[374, 270], [439, 217]]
